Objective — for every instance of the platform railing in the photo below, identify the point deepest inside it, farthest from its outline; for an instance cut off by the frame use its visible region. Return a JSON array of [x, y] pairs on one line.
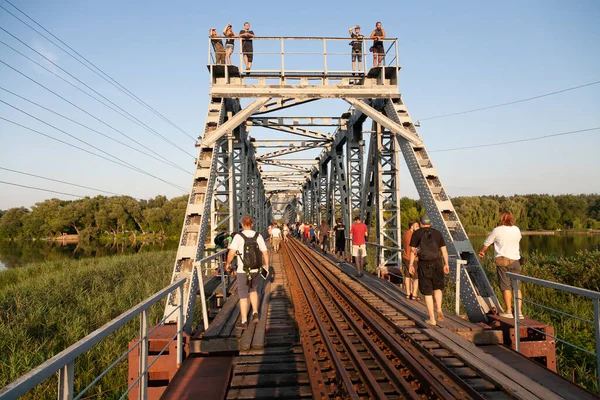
[[64, 362], [594, 296], [290, 55]]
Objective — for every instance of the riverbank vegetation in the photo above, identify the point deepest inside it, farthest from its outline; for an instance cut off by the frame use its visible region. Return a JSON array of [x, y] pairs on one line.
[[46, 307], [123, 216]]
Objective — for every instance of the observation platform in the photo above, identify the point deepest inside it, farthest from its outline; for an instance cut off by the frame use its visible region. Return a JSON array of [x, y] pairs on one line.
[[279, 69]]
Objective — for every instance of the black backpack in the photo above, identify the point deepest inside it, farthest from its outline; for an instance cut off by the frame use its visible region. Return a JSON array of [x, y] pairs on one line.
[[428, 246], [252, 257]]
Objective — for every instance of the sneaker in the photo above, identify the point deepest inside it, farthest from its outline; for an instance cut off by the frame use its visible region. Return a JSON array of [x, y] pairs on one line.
[[255, 318], [507, 315], [242, 325], [431, 322], [440, 316], [521, 316]]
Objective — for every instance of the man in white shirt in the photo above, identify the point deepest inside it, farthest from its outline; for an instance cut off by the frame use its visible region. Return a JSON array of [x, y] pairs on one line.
[[505, 238], [247, 287], [276, 237]]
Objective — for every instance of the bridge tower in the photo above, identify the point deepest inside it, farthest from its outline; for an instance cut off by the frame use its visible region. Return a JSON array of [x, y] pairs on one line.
[[234, 176]]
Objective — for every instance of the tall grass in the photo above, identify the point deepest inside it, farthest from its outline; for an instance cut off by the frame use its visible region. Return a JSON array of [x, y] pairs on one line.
[[46, 307]]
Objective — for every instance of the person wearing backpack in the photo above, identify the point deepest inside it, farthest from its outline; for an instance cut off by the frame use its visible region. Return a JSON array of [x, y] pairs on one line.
[[429, 244], [252, 254]]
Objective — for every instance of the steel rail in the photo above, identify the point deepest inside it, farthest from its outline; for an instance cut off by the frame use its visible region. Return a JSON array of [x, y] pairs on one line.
[[400, 385], [385, 329], [333, 355]]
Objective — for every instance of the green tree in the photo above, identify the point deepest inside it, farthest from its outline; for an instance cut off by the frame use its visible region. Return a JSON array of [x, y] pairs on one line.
[[542, 212], [11, 224]]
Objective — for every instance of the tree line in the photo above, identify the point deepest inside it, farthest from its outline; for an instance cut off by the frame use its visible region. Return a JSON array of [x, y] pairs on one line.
[[95, 216], [118, 215]]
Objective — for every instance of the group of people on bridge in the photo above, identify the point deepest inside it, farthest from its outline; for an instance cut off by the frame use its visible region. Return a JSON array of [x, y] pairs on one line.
[[223, 53], [424, 258]]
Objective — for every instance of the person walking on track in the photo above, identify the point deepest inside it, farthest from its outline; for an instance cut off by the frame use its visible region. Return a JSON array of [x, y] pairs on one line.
[[324, 236], [276, 237], [411, 281], [506, 238], [251, 251], [340, 238], [433, 264], [358, 234]]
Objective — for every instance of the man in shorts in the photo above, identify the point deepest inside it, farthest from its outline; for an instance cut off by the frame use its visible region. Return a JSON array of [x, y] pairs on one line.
[[378, 49], [324, 236], [217, 46], [411, 281], [358, 234], [357, 47], [433, 264], [247, 288], [247, 49], [340, 238]]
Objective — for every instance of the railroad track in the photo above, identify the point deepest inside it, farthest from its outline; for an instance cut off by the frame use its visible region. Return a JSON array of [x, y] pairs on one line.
[[357, 345]]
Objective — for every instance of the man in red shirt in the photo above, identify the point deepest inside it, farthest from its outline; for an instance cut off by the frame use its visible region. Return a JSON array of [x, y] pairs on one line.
[[358, 234]]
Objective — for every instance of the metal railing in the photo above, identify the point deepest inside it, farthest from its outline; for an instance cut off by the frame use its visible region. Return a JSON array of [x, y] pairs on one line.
[[211, 262], [594, 296], [64, 362], [285, 55]]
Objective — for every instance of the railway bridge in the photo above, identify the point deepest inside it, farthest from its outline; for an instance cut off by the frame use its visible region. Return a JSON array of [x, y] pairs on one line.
[[323, 331]]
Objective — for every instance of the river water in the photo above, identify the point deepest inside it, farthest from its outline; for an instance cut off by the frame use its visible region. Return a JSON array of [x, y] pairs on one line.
[[17, 254]]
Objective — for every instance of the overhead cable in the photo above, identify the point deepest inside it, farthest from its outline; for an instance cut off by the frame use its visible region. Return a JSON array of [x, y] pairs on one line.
[[84, 111], [511, 102], [98, 71], [92, 153], [121, 111], [59, 181], [517, 141], [94, 130], [42, 189]]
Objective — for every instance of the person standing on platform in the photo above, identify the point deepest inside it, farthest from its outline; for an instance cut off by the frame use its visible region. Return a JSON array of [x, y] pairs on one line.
[[340, 238], [301, 231], [357, 47], [217, 45], [324, 236], [247, 49], [378, 49], [229, 43], [506, 239], [433, 264], [358, 234], [276, 237], [251, 251], [411, 281]]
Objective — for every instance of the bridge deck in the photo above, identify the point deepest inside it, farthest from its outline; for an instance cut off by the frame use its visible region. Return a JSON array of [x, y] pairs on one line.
[[269, 361]]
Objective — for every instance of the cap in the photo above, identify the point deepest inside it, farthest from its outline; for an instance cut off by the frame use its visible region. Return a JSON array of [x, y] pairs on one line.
[[425, 220]]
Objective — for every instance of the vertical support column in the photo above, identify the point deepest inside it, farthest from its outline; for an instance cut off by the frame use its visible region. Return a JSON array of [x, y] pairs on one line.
[[338, 158], [232, 164], [316, 197], [180, 329], [323, 190], [355, 166], [380, 196], [516, 315]]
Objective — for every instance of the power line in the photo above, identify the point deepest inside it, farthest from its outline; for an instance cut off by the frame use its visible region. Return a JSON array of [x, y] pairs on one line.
[[517, 141], [94, 130], [511, 102], [92, 153], [42, 189], [84, 111], [102, 74], [59, 181], [122, 112]]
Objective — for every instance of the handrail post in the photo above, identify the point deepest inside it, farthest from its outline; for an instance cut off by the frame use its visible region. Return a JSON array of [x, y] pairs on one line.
[[180, 328], [597, 329], [516, 315], [396, 42], [241, 57], [66, 378], [325, 55], [202, 295], [282, 62], [223, 285], [459, 266], [143, 384]]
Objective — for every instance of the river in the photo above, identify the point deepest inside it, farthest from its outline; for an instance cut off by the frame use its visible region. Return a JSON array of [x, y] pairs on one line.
[[20, 253]]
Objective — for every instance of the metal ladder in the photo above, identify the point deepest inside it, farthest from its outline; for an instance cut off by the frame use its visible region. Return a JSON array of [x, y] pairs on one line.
[[476, 293]]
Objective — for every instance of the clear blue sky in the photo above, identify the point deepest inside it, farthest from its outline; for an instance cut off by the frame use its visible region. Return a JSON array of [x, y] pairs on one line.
[[455, 56]]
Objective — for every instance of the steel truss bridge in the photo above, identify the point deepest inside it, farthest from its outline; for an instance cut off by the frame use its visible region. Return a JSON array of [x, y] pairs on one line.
[[231, 179]]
